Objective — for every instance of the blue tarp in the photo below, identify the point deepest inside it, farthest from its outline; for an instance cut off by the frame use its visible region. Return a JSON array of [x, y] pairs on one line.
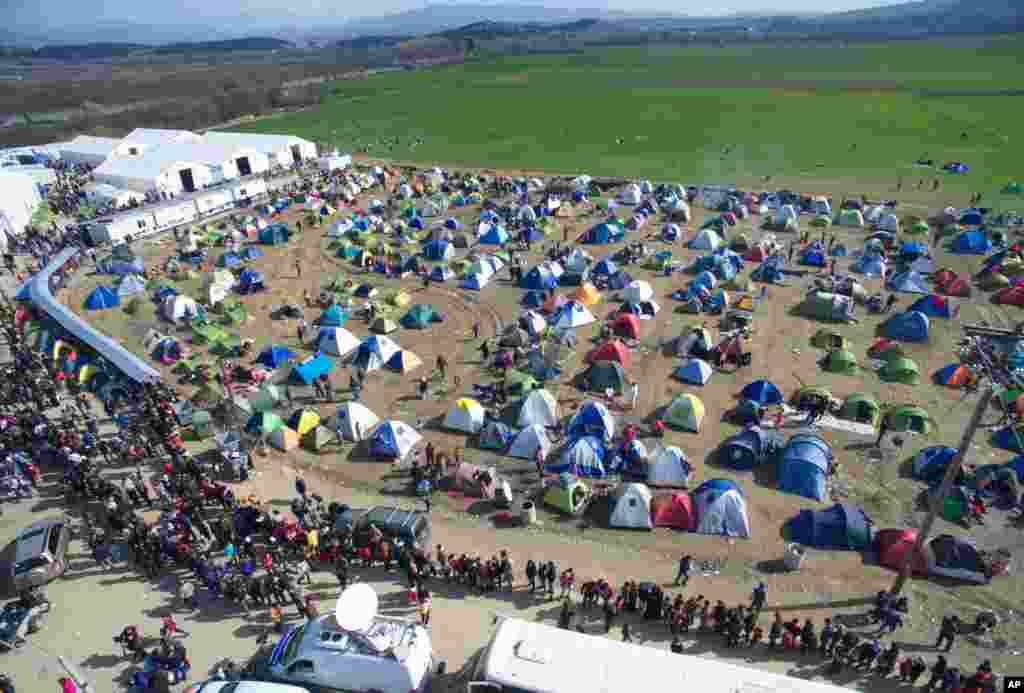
[[911, 326], [803, 469], [971, 243], [311, 369], [762, 392], [273, 356], [842, 526], [102, 298], [813, 258], [745, 450], [930, 464]]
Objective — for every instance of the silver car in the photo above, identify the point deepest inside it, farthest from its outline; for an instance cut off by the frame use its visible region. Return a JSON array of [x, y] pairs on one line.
[[40, 553]]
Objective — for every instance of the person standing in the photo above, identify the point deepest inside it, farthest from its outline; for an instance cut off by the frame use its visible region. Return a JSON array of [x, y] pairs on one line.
[[634, 394], [550, 577], [531, 575], [683, 574], [947, 632], [758, 597], [626, 635], [609, 615], [883, 428], [424, 607]]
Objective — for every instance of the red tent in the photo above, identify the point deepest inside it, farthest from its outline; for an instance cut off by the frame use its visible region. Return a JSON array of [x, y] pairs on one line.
[[1012, 296], [893, 545], [879, 349], [957, 286], [627, 325], [674, 511], [612, 350], [757, 254], [943, 277]]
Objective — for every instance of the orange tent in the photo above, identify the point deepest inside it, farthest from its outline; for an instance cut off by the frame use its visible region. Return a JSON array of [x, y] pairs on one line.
[[627, 325], [674, 511], [612, 350], [587, 294]]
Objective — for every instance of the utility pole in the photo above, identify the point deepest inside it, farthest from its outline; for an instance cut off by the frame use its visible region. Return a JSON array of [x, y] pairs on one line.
[[937, 499]]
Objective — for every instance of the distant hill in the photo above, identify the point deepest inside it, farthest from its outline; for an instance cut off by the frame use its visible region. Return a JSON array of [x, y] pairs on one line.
[[924, 17], [371, 42], [490, 29], [255, 43], [106, 51], [88, 51]]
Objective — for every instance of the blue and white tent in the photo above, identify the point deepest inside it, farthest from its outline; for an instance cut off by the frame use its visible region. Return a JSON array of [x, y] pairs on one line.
[[475, 282], [583, 457], [572, 315], [311, 369], [494, 235], [870, 264], [694, 372], [131, 285], [605, 267], [930, 464], [763, 392], [721, 509], [533, 299], [803, 469], [441, 273], [745, 450], [393, 440], [911, 326], [539, 279], [592, 418], [275, 356], [909, 282], [375, 352], [101, 298]]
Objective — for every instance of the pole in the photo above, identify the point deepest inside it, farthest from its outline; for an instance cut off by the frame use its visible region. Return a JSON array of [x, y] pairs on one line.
[[952, 471]]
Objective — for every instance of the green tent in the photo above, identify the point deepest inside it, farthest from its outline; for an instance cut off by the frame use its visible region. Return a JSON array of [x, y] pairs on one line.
[[825, 306], [235, 313], [419, 317], [993, 280], [207, 334], [954, 505], [901, 370], [808, 396], [266, 398], [908, 417], [264, 423], [1013, 189], [861, 408], [568, 495], [316, 438], [918, 228], [605, 375], [841, 361], [821, 222], [202, 424], [829, 339]]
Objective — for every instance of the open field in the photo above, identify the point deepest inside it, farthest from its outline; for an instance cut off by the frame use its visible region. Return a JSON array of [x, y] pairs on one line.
[[861, 113]]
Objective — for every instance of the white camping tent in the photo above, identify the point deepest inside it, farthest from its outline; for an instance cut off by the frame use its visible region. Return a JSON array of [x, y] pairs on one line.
[[706, 240], [668, 467], [539, 408], [631, 195], [177, 308], [375, 351], [528, 441], [573, 314], [466, 415], [131, 285], [637, 291], [631, 507], [353, 420], [578, 261], [336, 341]]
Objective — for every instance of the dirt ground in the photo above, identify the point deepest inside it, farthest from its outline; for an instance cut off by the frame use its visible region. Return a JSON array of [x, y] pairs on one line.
[[782, 353]]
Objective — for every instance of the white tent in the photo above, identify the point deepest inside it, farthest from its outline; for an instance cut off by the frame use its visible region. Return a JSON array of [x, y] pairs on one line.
[[645, 187], [353, 420], [535, 322], [631, 195], [375, 351], [637, 292], [466, 415], [215, 293], [340, 228], [631, 507], [722, 513], [539, 408], [578, 261], [706, 240], [176, 308], [527, 215], [336, 341], [573, 314], [873, 214], [131, 285], [668, 467], [889, 222], [528, 441]]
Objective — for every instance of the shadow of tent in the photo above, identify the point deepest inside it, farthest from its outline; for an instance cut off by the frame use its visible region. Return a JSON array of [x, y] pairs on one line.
[[481, 507], [771, 566]]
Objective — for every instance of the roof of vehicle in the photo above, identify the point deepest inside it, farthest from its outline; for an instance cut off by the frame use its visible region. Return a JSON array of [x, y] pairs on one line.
[[386, 516], [246, 687], [31, 540]]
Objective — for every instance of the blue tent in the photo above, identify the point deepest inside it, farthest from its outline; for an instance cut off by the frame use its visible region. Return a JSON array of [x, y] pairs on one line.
[[814, 258], [911, 250], [23, 293], [768, 271], [694, 372], [165, 291], [930, 464], [122, 267], [745, 450], [803, 468], [441, 273], [533, 299], [935, 306], [971, 243], [250, 281], [274, 234], [908, 281], [839, 250], [620, 280], [971, 217], [721, 509], [333, 316], [842, 526], [311, 369], [539, 279], [869, 264], [1017, 465], [593, 418], [439, 250], [229, 260], [606, 267], [496, 235], [603, 233], [1009, 438], [416, 223], [393, 439], [251, 253], [364, 291], [762, 392], [911, 326], [102, 298], [453, 224], [474, 282], [582, 457], [273, 356], [531, 234]]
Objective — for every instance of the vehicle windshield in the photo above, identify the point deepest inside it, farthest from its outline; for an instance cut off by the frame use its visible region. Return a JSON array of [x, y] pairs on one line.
[[293, 646], [30, 564]]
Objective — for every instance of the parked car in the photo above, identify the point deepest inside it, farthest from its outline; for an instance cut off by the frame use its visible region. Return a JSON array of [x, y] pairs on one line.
[[410, 526], [218, 686], [40, 553]]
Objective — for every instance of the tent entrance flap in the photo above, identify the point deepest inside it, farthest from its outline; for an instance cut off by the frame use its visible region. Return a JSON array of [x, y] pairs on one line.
[[188, 183], [244, 167]]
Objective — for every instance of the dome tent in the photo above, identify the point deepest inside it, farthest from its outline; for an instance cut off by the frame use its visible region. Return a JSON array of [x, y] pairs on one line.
[[693, 372], [841, 527], [592, 418], [721, 509], [101, 298], [275, 356], [419, 317], [911, 326], [827, 306], [393, 440], [336, 341], [404, 361], [539, 408], [466, 415], [908, 417], [353, 420], [605, 375], [572, 315], [930, 464], [841, 361], [686, 412], [763, 392], [973, 242], [893, 547], [675, 511], [627, 325], [611, 350], [804, 466], [870, 264], [131, 285], [955, 375], [333, 316], [908, 281], [374, 352], [935, 306], [706, 240], [900, 370], [861, 408], [264, 423], [569, 495], [744, 450], [668, 467], [539, 278], [637, 292], [528, 441], [582, 457], [957, 558], [631, 507]]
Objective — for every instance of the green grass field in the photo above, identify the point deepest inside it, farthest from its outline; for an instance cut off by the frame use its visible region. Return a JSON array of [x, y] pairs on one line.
[[856, 113]]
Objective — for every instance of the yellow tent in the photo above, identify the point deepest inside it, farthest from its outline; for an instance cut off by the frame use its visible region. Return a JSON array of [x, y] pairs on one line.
[[284, 439], [587, 294], [85, 373], [685, 412], [304, 421], [57, 346], [746, 302], [400, 299]]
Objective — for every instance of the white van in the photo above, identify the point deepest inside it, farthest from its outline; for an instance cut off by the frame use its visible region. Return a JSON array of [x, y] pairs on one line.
[[390, 656], [527, 657]]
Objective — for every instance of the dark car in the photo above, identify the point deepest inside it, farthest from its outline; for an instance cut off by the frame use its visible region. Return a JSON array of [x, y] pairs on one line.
[[40, 553], [410, 526]]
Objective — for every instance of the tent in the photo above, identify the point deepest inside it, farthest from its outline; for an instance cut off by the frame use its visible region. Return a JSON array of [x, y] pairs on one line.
[[908, 417], [602, 233], [971, 243], [539, 408], [572, 315], [827, 306], [353, 420], [631, 507], [303, 421], [533, 322], [762, 392], [439, 250], [843, 526], [870, 264], [333, 316], [284, 439], [804, 467], [441, 273], [637, 292], [645, 310], [851, 217], [693, 372], [611, 350], [893, 546], [829, 339], [419, 317], [930, 463], [466, 415], [578, 261], [605, 375], [954, 375], [318, 438], [336, 341], [228, 260], [861, 408], [177, 308], [706, 240], [250, 281], [627, 325], [605, 267], [404, 361], [685, 412], [592, 418], [102, 298], [529, 441], [264, 423], [475, 282], [1010, 296], [900, 370], [393, 440], [374, 352], [956, 557], [958, 285], [911, 326], [311, 369], [568, 495], [935, 306], [587, 294], [721, 509], [669, 467], [539, 278], [495, 436], [274, 234], [495, 235], [675, 511], [384, 325], [581, 457], [131, 285], [275, 356], [908, 281], [841, 361], [620, 280], [744, 450], [886, 350]]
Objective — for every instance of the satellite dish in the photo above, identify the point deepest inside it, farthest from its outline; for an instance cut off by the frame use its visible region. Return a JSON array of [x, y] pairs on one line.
[[356, 608]]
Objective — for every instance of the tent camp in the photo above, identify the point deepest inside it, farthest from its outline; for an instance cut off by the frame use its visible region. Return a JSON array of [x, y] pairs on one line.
[[466, 415], [911, 326], [611, 350], [568, 495], [374, 352], [841, 361], [572, 315], [935, 306], [908, 417], [275, 356], [804, 467], [908, 281], [693, 372], [668, 467], [686, 412], [581, 457], [973, 242], [353, 420], [539, 408], [955, 375], [930, 463], [861, 408], [828, 306], [744, 450], [900, 370], [528, 442], [311, 369], [102, 298], [592, 418], [605, 375], [763, 392], [404, 361], [706, 239], [956, 557], [336, 341], [674, 511], [843, 526], [631, 507], [393, 440], [721, 509]]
